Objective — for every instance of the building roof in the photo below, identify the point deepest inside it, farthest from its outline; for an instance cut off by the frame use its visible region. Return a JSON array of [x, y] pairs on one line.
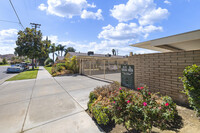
[[94, 55], [180, 42], [60, 58]]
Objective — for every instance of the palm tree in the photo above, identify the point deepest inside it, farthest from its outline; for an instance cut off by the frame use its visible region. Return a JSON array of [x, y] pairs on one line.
[[58, 49], [113, 51], [62, 48], [47, 44], [53, 49]]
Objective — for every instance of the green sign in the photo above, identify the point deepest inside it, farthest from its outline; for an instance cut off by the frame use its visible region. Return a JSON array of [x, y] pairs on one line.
[[127, 76]]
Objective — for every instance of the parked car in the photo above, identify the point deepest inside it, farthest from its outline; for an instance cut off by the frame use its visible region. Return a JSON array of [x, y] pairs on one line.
[[24, 65], [15, 68]]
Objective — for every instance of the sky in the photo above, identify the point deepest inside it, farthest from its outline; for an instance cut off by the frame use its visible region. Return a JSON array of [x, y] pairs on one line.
[[99, 25]]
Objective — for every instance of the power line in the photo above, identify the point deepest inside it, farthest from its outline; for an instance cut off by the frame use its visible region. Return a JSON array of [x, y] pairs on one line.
[[9, 21], [16, 14]]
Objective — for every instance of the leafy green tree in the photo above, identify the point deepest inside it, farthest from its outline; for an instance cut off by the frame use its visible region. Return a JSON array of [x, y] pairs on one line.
[[29, 43], [4, 61], [69, 49], [53, 50]]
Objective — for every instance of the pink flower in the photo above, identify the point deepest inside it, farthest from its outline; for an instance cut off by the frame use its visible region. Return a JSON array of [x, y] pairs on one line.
[[128, 101], [169, 109], [138, 89], [149, 93], [160, 108], [141, 88], [144, 103], [167, 104], [114, 102], [120, 88]]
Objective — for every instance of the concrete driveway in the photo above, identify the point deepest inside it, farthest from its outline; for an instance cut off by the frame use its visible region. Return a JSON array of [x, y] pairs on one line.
[[47, 105]]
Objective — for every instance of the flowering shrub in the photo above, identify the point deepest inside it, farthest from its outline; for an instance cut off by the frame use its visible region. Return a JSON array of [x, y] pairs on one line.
[[191, 83], [120, 111], [139, 110], [166, 112]]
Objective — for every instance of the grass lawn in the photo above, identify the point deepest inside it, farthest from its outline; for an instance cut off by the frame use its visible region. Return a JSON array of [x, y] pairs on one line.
[[29, 74], [5, 65], [48, 69]]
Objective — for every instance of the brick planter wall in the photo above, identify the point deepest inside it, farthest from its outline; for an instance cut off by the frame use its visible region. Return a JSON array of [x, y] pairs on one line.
[[161, 71]]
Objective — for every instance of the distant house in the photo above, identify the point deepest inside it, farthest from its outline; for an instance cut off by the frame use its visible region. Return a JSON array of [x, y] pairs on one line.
[[86, 56], [60, 59], [91, 54], [1, 59]]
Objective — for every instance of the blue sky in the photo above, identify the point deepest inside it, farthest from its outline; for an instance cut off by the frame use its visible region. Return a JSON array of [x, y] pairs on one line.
[[99, 25]]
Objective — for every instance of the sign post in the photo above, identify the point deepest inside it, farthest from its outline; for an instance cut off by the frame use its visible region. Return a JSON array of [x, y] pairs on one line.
[[127, 76]]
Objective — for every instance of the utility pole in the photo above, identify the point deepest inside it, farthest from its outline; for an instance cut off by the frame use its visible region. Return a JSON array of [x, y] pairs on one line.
[[35, 26]]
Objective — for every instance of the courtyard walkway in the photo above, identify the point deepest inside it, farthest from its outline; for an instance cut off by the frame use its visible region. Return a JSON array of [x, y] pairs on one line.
[[47, 104]]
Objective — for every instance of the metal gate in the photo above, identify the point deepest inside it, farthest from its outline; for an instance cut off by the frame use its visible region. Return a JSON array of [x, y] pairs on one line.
[[109, 69]]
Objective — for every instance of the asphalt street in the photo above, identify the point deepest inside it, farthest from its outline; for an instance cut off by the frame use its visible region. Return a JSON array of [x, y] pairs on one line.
[[3, 73]]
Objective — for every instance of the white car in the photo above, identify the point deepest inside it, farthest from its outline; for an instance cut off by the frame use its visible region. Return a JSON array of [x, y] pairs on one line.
[[15, 68]]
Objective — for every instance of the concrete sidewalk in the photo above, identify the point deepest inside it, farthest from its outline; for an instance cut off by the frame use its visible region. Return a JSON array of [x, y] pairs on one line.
[[43, 73], [47, 104]]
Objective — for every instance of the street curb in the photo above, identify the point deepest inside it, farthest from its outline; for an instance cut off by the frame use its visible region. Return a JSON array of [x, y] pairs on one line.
[[4, 79]]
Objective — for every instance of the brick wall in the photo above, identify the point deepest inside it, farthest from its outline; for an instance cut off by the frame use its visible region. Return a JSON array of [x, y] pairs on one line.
[[161, 71]]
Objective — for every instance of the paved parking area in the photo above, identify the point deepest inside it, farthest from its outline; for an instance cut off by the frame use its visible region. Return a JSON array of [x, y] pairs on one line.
[[47, 105]]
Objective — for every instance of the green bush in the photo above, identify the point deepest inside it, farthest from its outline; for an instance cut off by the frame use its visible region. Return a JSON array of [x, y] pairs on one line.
[[92, 98], [48, 62], [191, 83], [59, 67], [139, 110], [1, 63], [72, 64], [101, 114], [4, 61]]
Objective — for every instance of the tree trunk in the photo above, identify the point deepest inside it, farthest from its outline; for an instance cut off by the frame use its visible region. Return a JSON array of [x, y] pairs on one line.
[[53, 57], [35, 63], [32, 64]]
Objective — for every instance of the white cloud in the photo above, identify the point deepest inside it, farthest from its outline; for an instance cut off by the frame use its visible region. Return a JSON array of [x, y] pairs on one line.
[[104, 46], [69, 8], [129, 32], [92, 5], [7, 41], [167, 2], [8, 34], [42, 7], [142, 10], [153, 16], [54, 39], [87, 14]]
